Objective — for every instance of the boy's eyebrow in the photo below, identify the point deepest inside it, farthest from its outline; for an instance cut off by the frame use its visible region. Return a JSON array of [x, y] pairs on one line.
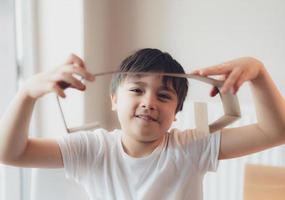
[[168, 89], [163, 87]]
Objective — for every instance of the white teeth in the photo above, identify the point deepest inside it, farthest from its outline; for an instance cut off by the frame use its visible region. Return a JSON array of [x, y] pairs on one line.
[[145, 117]]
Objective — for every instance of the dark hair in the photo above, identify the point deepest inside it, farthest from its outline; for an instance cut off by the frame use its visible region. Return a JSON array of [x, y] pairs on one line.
[[153, 60]]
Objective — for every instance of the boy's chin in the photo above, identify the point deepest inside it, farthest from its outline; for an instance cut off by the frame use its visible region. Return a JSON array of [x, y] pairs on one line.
[[146, 137]]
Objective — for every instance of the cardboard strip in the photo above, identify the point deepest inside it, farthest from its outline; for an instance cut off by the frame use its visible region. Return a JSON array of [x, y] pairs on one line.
[[229, 101], [201, 118]]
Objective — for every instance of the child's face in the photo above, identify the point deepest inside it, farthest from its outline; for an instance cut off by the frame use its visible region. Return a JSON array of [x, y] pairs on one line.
[[145, 107]]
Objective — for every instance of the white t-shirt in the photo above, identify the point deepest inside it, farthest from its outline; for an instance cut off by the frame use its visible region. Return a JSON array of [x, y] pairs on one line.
[[174, 170]]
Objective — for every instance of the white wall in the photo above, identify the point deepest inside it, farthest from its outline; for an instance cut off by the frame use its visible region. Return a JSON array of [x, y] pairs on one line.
[[197, 33]]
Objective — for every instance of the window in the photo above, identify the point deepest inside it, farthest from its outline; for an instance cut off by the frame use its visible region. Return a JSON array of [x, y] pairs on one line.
[[8, 87]]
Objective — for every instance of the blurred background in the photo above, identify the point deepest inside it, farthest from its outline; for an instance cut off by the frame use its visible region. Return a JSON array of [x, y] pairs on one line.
[[37, 35]]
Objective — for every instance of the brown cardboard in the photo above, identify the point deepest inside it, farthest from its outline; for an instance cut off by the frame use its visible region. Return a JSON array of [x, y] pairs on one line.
[[229, 101]]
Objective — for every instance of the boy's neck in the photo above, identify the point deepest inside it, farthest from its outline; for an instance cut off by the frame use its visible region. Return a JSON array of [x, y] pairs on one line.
[[137, 149]]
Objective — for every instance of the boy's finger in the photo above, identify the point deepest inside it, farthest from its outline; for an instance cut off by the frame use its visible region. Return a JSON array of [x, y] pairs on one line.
[[195, 72], [214, 91], [63, 85], [74, 59], [69, 81], [215, 70], [58, 91], [230, 81], [241, 80], [75, 83], [81, 71], [235, 89]]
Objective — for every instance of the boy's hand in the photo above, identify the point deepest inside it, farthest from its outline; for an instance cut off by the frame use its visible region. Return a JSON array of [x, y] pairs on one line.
[[58, 79], [234, 72]]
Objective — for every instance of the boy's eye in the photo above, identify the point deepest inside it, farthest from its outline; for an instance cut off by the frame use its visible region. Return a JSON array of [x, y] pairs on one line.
[[136, 90], [164, 96]]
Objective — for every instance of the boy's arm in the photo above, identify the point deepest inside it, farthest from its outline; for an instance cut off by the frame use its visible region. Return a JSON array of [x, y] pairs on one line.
[[16, 148], [269, 130]]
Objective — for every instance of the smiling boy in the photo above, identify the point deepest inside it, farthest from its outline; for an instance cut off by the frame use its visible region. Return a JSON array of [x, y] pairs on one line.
[[146, 110], [143, 159], [147, 105]]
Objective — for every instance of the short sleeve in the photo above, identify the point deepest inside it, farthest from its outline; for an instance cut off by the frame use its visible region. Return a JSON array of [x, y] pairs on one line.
[[202, 150], [207, 152], [79, 151]]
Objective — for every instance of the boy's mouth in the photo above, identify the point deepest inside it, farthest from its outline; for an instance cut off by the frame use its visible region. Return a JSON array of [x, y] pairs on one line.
[[146, 117]]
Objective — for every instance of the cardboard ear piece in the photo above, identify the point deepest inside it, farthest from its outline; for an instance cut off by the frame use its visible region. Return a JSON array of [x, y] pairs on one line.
[[229, 101], [201, 118]]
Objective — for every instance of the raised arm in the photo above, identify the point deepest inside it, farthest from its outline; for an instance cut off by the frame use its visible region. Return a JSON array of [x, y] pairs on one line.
[[16, 148], [269, 130]]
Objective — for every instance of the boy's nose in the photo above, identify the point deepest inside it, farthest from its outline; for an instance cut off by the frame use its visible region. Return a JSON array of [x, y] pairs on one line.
[[149, 102]]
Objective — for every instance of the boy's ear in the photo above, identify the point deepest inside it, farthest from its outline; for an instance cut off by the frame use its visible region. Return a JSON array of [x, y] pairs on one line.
[[114, 101]]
